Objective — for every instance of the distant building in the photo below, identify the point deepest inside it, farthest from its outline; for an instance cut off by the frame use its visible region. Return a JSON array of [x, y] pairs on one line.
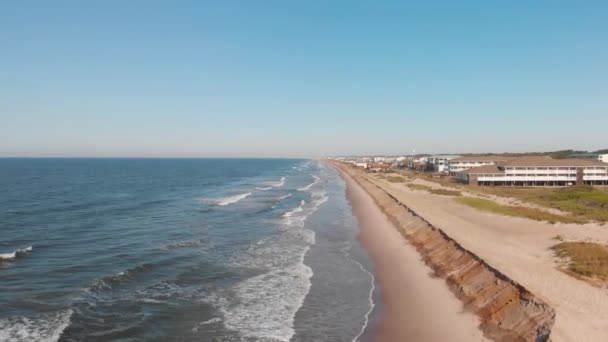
[[537, 171], [440, 163], [603, 157], [463, 163]]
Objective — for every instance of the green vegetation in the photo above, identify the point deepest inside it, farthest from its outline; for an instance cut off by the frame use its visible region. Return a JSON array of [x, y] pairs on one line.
[[587, 259], [418, 187], [395, 179], [585, 202], [508, 210], [434, 191], [445, 192]]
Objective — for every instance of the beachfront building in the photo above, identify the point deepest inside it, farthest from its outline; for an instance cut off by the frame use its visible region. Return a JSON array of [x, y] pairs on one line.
[[440, 163], [537, 171], [464, 163], [418, 163], [603, 157]]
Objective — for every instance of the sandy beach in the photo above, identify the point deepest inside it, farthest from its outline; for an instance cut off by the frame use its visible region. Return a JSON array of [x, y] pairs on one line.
[[414, 301], [519, 248]]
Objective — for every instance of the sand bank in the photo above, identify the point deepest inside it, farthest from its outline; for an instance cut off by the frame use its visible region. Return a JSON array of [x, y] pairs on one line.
[[417, 306], [519, 248]]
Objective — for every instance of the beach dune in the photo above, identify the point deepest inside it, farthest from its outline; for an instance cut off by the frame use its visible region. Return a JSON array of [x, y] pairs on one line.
[[417, 306]]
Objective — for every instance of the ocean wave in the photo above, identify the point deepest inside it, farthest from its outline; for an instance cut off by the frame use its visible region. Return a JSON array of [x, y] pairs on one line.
[[114, 280], [183, 244], [280, 183], [264, 188], [17, 253], [40, 328], [317, 179], [207, 322], [224, 201], [268, 303], [288, 216], [263, 307], [284, 197], [370, 297]]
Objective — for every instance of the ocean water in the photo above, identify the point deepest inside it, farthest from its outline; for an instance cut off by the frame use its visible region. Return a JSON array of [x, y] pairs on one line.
[[180, 250]]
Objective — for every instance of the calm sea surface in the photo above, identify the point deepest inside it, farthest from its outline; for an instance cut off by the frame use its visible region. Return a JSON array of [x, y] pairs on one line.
[[179, 250]]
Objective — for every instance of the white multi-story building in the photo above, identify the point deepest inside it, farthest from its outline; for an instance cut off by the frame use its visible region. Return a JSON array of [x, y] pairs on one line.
[[440, 163], [463, 163], [537, 171]]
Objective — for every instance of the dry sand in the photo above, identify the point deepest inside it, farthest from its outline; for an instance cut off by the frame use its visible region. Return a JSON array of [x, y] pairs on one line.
[[417, 307], [519, 248]]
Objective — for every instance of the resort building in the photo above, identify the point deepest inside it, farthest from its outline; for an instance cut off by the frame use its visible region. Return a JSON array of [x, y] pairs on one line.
[[440, 163], [537, 171], [463, 163]]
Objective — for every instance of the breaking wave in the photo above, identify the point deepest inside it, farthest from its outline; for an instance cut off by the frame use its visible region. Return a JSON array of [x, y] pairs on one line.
[[40, 328], [317, 179], [224, 201], [14, 255], [264, 189], [263, 307], [279, 183]]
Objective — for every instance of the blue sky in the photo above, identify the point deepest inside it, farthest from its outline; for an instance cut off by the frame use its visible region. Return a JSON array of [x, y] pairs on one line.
[[301, 78]]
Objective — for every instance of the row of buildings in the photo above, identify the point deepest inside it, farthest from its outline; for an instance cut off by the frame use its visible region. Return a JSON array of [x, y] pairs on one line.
[[496, 170], [529, 171]]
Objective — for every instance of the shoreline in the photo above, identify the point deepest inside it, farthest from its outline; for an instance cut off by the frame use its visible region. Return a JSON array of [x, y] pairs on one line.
[[413, 301]]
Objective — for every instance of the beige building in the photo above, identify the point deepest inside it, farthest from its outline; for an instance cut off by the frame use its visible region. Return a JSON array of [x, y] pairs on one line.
[[537, 171], [464, 163]]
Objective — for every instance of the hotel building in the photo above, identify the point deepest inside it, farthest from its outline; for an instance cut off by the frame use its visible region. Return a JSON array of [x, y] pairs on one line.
[[537, 171], [463, 163]]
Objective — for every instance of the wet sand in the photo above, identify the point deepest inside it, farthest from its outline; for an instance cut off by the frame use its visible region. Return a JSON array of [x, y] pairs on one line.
[[416, 306]]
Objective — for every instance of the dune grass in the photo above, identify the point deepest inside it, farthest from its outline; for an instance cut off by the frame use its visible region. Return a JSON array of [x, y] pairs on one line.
[[587, 259], [445, 192], [395, 179], [418, 187], [586, 202], [508, 210]]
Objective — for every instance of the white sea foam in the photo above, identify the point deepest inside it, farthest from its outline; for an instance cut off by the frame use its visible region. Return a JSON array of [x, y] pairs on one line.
[[370, 297], [280, 183], [210, 321], [268, 303], [264, 188], [284, 197], [15, 254], [40, 328], [233, 199], [263, 307], [317, 179], [224, 201]]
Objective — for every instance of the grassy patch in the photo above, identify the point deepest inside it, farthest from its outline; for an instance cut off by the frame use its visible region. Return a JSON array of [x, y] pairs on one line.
[[586, 202], [418, 187], [508, 210], [395, 179], [587, 259], [445, 192]]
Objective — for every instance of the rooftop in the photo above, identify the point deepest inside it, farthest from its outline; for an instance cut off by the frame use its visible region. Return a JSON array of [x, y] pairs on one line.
[[482, 159], [547, 161], [483, 169]]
